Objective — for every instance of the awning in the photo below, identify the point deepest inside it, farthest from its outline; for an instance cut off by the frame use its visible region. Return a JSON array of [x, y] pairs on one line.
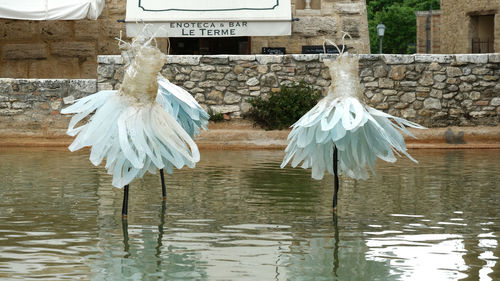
[[214, 18], [51, 9]]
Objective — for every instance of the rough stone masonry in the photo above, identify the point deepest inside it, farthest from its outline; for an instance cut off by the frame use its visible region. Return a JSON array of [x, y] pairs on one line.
[[433, 90]]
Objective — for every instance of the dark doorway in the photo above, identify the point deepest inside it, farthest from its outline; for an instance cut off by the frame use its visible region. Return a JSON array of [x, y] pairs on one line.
[[482, 29], [210, 46]]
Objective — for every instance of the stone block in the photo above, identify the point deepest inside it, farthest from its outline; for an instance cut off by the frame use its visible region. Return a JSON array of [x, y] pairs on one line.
[[110, 28], [73, 49], [432, 103], [397, 72], [380, 71], [184, 59], [408, 97], [107, 46], [434, 58], [54, 68], [231, 98], [385, 83], [495, 101], [305, 57], [24, 51], [252, 81], [87, 29], [88, 69], [225, 108], [452, 71], [77, 86], [215, 59], [351, 26], [242, 58], [19, 30], [110, 59], [312, 26], [266, 59], [427, 79], [269, 80], [56, 30], [494, 58], [472, 58], [349, 8], [398, 59]]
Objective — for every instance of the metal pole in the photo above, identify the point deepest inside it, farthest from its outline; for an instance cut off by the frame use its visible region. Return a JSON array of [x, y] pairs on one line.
[[380, 44], [125, 202], [163, 189], [336, 177]]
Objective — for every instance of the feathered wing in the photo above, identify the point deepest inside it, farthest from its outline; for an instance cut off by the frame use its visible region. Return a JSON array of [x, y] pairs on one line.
[[182, 106], [132, 137], [360, 133]]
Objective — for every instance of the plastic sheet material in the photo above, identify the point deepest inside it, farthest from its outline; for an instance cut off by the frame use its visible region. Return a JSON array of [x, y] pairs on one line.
[[361, 133], [51, 9]]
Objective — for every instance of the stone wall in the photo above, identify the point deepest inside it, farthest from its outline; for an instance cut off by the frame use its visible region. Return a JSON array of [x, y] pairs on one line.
[[433, 90], [35, 104]]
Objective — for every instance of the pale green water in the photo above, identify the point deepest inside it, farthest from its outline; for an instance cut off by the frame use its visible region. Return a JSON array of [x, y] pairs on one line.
[[237, 216]]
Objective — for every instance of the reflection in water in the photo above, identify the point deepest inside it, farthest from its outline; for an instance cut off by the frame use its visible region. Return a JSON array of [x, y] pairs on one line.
[[239, 217]]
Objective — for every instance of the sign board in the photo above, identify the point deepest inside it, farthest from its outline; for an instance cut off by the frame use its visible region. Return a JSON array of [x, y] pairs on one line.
[[318, 49], [273, 51], [215, 18]]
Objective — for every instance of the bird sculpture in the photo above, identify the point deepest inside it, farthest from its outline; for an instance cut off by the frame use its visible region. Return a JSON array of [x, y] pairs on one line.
[[147, 124], [342, 130]]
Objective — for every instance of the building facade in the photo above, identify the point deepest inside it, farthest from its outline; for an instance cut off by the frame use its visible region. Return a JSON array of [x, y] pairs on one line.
[[461, 26], [69, 49]]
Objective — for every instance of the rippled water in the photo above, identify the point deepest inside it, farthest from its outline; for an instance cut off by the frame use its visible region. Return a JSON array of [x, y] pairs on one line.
[[237, 216]]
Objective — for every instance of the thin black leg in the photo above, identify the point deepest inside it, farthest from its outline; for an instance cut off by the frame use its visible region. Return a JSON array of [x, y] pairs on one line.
[[163, 189], [125, 201], [336, 177]]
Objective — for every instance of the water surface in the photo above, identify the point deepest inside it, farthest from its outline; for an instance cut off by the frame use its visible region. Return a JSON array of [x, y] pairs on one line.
[[237, 216]]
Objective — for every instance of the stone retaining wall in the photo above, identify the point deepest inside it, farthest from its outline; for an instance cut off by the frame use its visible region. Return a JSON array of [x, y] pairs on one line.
[[35, 104], [433, 90]]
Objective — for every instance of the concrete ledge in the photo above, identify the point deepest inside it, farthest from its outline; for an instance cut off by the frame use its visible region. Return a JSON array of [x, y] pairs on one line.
[[243, 134]]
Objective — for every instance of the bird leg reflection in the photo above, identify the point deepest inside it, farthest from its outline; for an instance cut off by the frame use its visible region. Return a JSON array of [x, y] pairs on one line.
[[336, 246]]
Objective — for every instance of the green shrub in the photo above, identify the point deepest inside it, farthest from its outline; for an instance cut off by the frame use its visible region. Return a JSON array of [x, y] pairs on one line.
[[215, 116], [282, 109]]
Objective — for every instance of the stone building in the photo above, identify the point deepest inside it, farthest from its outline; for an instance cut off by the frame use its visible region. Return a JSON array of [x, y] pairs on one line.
[[69, 49], [461, 26]]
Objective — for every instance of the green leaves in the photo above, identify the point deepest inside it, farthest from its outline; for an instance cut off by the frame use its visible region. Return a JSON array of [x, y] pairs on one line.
[[280, 110], [399, 18]]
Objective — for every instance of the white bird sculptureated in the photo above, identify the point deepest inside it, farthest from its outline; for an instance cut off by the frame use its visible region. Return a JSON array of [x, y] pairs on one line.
[[136, 128], [344, 127]]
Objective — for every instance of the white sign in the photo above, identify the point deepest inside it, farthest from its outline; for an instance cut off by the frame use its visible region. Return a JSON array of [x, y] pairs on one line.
[[211, 18], [214, 29]]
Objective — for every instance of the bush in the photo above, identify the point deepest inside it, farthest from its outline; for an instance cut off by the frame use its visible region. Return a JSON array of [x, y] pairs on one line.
[[215, 116], [282, 109]]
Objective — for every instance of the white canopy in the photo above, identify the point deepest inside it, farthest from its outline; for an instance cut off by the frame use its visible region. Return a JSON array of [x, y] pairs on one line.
[[214, 18], [51, 9]]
